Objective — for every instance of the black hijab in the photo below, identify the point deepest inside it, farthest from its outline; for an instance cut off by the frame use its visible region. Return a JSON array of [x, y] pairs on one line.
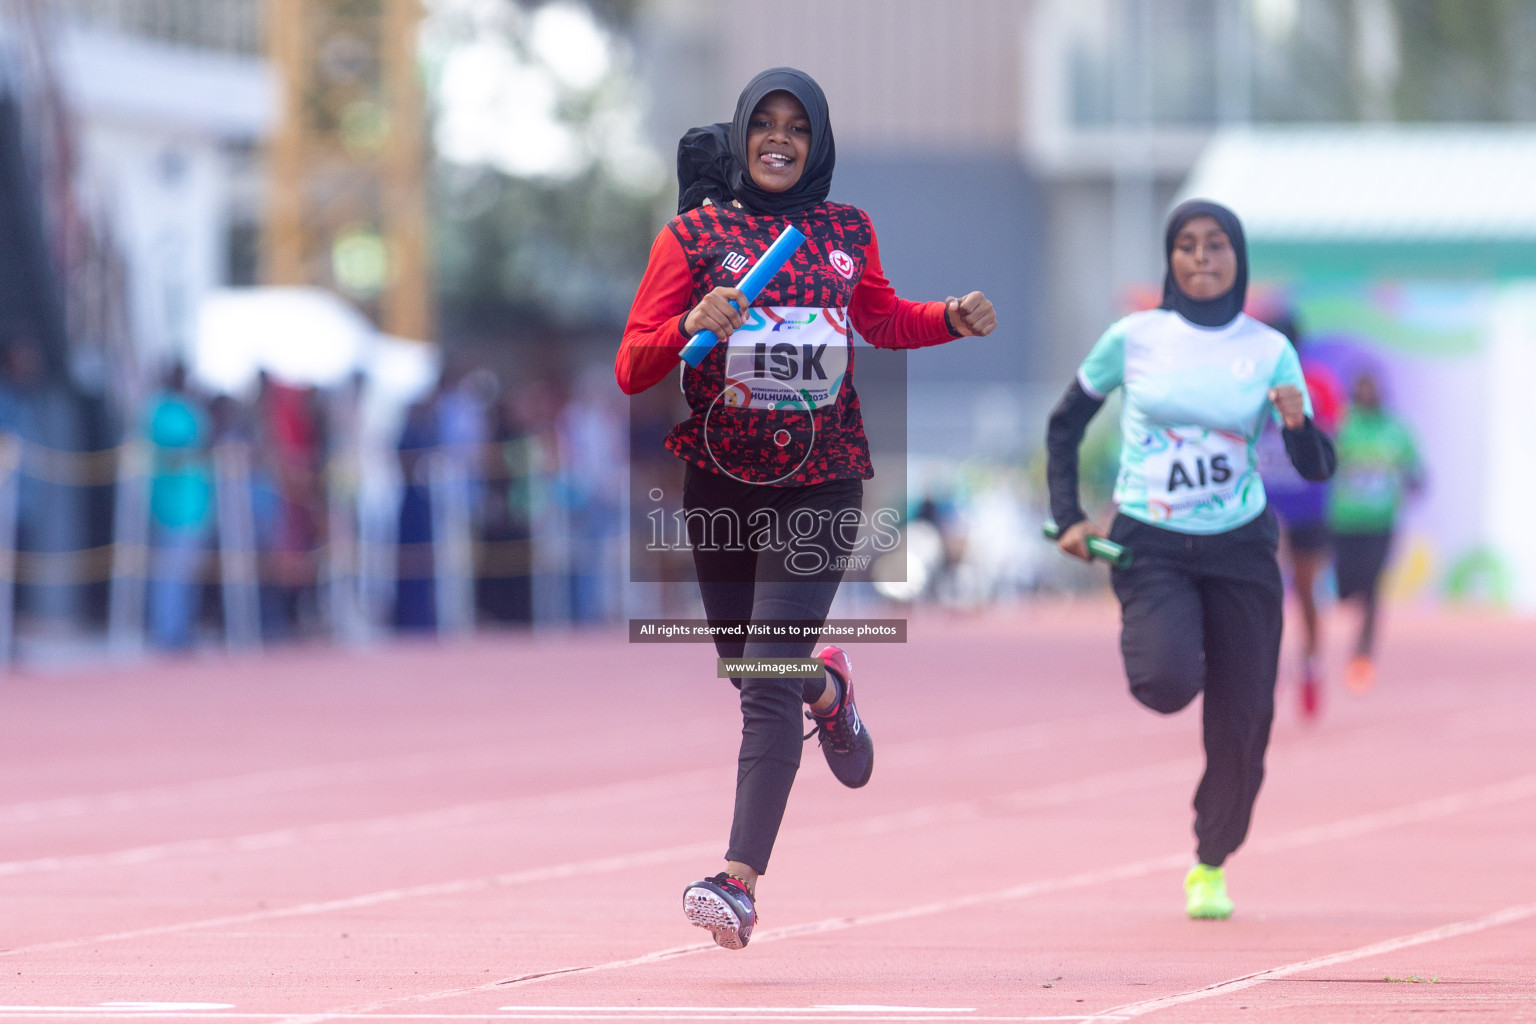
[[704, 166], [1221, 310], [712, 160]]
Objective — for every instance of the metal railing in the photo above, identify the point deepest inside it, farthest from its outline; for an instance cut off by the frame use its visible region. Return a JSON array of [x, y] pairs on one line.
[[354, 568]]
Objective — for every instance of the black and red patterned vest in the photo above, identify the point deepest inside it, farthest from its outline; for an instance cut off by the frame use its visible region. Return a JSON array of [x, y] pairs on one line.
[[776, 404]]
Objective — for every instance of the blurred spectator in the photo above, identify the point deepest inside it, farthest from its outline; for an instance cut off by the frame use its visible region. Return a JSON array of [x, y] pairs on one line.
[[591, 448], [290, 519], [229, 421], [549, 526], [505, 592], [342, 481], [21, 367], [1378, 466], [457, 474], [930, 558], [463, 407], [1301, 506], [655, 496], [21, 378], [180, 509], [415, 590]]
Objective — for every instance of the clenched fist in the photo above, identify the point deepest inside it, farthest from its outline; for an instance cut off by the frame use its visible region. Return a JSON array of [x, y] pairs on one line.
[[972, 315], [1288, 401]]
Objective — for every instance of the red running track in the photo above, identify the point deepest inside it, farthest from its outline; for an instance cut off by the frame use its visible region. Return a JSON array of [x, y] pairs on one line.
[[502, 830]]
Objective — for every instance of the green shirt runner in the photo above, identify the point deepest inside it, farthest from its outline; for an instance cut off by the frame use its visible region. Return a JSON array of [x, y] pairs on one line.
[[1377, 464]]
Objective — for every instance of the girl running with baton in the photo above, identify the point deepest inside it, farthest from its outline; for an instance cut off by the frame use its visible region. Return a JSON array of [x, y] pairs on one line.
[[1201, 601], [775, 435]]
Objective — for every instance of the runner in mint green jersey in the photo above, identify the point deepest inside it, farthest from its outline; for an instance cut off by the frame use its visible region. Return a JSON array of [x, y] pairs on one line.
[[1201, 600], [1196, 400]]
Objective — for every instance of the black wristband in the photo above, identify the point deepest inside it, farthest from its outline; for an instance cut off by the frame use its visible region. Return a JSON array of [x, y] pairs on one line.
[[1310, 451]]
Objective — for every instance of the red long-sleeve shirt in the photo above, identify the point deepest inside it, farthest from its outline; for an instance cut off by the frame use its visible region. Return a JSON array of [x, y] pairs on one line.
[[777, 404]]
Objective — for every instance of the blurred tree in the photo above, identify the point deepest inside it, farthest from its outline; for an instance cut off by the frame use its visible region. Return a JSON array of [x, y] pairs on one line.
[[1403, 60], [347, 159], [1309, 60], [1466, 60], [569, 252], [546, 197]]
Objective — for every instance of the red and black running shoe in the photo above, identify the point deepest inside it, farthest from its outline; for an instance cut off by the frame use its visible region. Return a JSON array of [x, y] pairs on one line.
[[724, 906], [844, 740]]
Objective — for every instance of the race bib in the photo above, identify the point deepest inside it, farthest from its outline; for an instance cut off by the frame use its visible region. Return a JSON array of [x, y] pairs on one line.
[[787, 357], [1370, 484], [1192, 469]]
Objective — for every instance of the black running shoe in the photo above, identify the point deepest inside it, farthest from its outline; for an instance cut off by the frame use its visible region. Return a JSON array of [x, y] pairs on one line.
[[723, 905], [844, 740]]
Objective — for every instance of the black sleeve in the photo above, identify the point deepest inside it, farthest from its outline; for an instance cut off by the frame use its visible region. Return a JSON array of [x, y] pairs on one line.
[[1062, 436], [1310, 451]]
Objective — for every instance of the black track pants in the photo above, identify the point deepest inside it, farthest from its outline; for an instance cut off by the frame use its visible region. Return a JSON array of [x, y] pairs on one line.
[[1359, 559], [1204, 613], [739, 584]]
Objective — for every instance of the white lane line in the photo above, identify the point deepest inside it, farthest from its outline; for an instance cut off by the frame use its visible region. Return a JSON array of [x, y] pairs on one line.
[[1508, 915], [504, 810], [827, 1012], [1125, 780], [253, 784], [916, 752], [1036, 736], [280, 780], [1010, 740], [1066, 883], [1106, 784], [824, 1008], [120, 1007], [838, 1009], [1419, 811], [626, 862], [507, 810], [471, 814], [996, 741], [1408, 814], [716, 1016], [67, 1012], [449, 817]]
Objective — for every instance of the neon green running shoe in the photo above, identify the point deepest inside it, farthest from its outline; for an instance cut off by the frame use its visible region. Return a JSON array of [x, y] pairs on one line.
[[1205, 891]]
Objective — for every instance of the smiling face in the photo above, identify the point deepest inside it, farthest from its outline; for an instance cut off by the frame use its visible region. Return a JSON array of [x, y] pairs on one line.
[[1203, 260], [778, 142]]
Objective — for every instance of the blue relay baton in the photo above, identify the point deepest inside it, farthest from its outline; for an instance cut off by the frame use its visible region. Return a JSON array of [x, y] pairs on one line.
[[756, 280]]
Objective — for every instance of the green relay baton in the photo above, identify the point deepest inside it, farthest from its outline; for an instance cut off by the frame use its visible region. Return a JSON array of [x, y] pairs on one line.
[[1104, 550]]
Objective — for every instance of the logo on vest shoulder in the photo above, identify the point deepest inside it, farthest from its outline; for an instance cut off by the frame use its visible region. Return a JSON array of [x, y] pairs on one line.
[[842, 263], [734, 262]]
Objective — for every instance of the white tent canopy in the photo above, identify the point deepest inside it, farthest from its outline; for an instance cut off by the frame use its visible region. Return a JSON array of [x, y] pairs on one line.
[[1354, 183], [309, 337], [299, 335]]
